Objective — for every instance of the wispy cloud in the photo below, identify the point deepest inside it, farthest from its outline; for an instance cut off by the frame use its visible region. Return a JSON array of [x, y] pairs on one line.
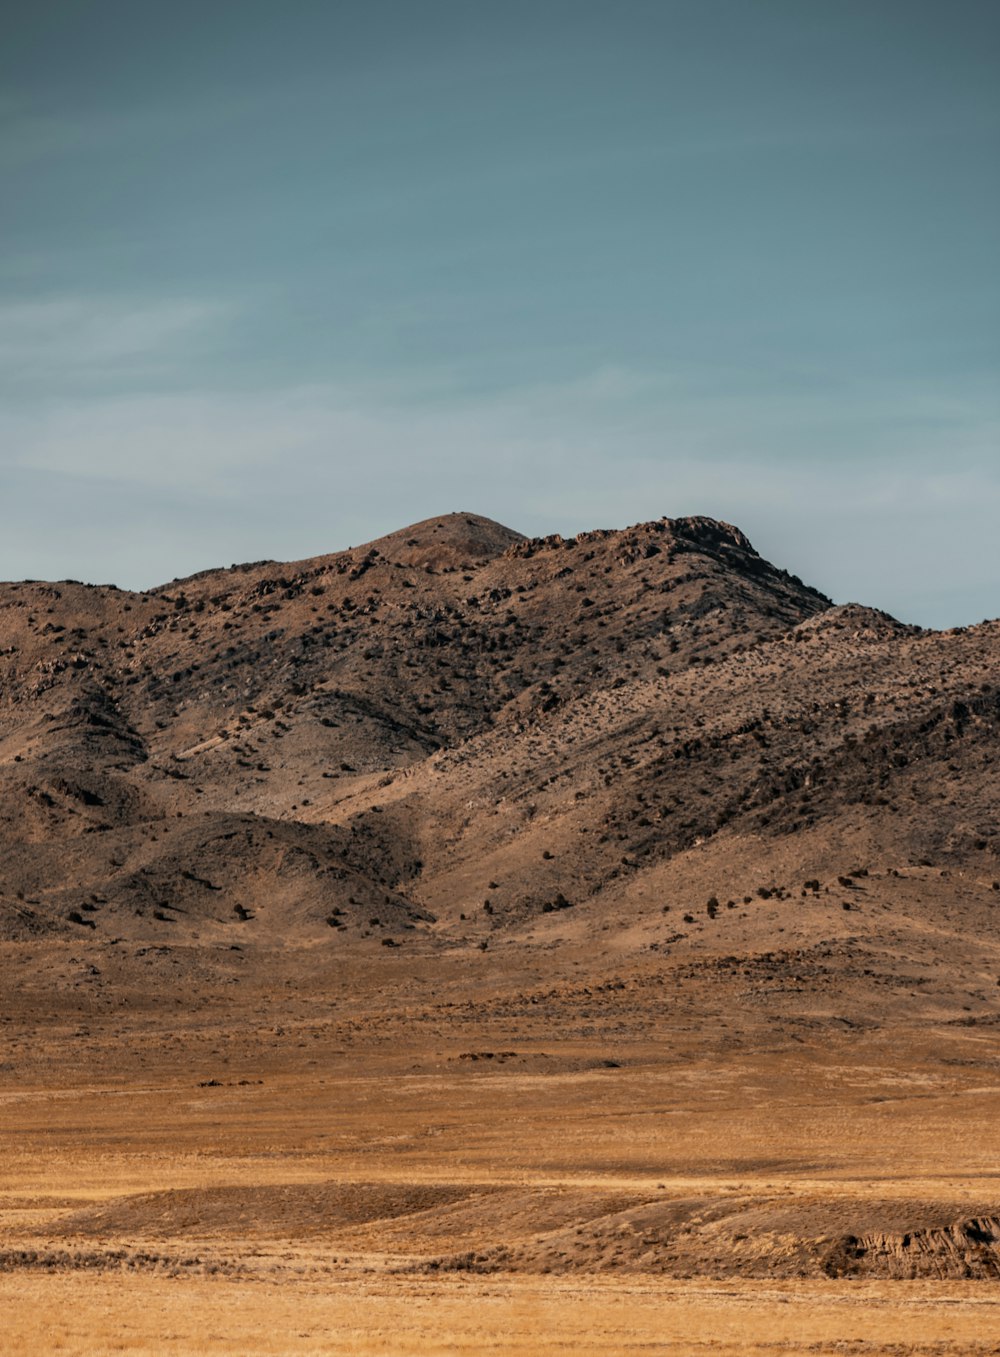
[[56, 343]]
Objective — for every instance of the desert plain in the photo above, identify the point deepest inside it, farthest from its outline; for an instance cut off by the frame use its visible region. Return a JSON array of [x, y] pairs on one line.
[[472, 944]]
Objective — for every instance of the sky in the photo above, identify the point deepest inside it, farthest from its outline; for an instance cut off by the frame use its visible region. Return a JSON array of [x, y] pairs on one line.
[[276, 278]]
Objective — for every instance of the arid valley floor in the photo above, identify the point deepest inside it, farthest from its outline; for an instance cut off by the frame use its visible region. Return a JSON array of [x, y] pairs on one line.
[[465, 944]]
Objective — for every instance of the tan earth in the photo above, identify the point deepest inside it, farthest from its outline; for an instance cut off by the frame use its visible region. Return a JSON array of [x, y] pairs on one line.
[[465, 944]]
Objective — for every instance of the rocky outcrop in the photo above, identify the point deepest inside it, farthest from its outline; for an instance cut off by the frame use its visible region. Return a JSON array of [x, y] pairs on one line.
[[968, 1248]]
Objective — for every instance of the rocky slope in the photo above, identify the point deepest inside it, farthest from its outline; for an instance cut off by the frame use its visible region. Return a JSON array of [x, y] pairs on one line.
[[462, 732]]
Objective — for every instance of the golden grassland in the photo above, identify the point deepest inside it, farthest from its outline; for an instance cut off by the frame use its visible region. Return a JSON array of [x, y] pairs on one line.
[[356, 1204], [147, 1316]]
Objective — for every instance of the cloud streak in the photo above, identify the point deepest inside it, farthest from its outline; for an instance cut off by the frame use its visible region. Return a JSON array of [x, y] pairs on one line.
[[59, 342]]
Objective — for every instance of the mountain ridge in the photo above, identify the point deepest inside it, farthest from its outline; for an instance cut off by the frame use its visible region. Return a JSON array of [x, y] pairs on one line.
[[673, 687]]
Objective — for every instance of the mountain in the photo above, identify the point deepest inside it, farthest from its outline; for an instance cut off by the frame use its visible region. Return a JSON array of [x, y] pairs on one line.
[[466, 731], [239, 726], [646, 746]]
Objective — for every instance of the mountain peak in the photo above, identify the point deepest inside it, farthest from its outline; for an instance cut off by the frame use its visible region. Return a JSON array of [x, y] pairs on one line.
[[451, 539], [711, 532]]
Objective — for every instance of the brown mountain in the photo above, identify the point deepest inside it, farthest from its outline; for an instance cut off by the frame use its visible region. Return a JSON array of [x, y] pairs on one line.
[[398, 726]]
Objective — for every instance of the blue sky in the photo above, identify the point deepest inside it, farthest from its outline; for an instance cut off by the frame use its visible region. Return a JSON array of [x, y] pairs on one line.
[[277, 278]]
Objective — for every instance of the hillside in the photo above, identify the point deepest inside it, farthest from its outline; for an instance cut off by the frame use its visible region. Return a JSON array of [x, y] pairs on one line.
[[403, 723]]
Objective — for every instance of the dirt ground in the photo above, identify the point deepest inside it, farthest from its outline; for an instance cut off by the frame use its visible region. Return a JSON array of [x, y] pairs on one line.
[[292, 1176]]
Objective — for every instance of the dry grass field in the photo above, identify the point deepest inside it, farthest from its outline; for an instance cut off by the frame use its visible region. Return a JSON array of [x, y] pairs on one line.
[[350, 1187], [363, 1316]]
